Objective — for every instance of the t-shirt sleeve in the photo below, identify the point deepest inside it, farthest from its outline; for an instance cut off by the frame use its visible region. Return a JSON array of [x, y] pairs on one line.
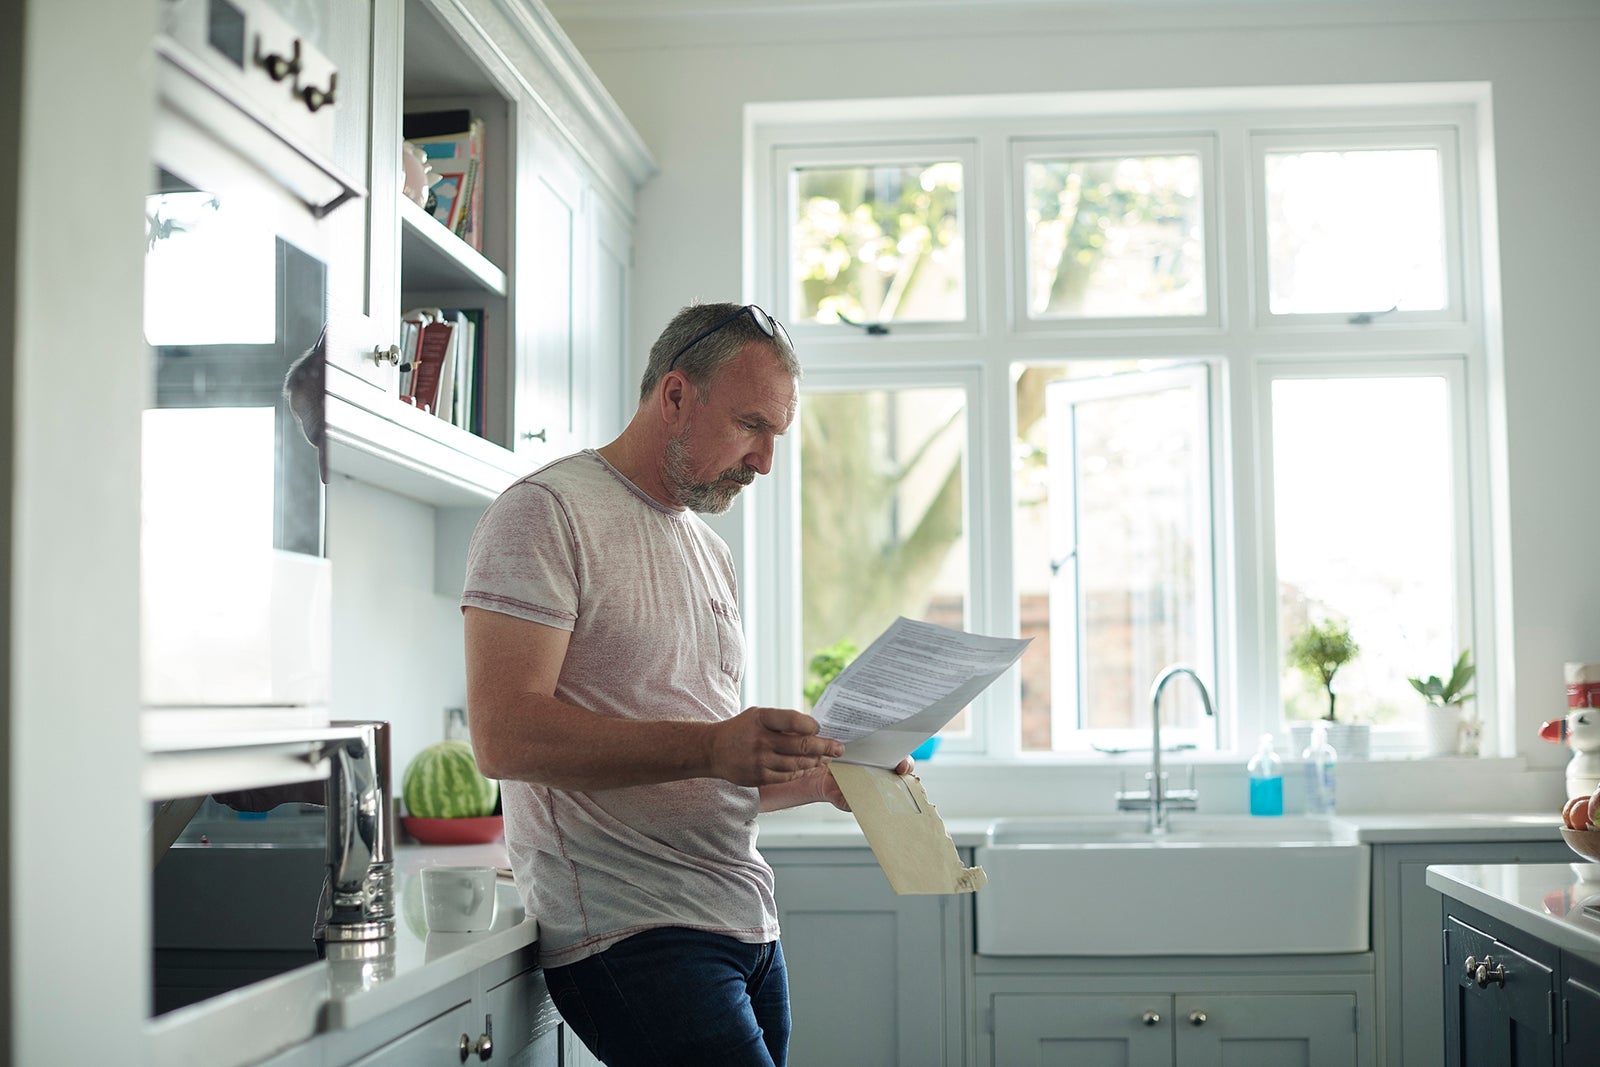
[[522, 560]]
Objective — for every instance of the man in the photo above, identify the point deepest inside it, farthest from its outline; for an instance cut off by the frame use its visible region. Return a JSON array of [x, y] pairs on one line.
[[604, 656]]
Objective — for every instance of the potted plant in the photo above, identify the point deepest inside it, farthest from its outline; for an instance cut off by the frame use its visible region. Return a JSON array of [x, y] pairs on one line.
[[1444, 712], [1318, 652]]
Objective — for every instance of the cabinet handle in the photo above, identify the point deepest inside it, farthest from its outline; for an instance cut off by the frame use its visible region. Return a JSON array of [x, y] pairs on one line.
[[531, 436], [276, 66], [484, 1047], [1198, 1017], [1150, 1018], [316, 99], [386, 355]]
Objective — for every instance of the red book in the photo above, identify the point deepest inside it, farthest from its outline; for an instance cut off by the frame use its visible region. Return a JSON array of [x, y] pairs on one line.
[[429, 368]]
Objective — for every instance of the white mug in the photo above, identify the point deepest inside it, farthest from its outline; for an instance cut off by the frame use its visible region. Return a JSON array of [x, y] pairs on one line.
[[458, 899]]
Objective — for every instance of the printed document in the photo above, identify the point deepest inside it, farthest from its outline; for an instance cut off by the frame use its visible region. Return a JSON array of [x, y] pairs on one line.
[[908, 683]]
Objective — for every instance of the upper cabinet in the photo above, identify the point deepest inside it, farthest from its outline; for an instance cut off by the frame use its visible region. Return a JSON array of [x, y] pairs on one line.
[[529, 278]]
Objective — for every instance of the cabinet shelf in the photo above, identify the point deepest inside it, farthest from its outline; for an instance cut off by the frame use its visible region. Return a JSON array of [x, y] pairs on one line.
[[396, 447], [434, 258]]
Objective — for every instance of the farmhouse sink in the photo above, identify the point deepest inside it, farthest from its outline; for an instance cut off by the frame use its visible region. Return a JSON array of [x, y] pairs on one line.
[[1221, 885]]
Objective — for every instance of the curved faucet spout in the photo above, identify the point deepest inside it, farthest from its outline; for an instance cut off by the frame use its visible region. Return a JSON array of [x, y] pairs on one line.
[[1158, 799]]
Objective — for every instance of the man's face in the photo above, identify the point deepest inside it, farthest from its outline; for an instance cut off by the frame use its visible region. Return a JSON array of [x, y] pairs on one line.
[[727, 441]]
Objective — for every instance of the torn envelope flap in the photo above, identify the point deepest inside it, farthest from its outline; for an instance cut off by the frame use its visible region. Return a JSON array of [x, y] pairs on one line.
[[905, 831]]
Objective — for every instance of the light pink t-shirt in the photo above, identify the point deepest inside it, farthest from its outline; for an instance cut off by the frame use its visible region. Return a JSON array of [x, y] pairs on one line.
[[649, 596]]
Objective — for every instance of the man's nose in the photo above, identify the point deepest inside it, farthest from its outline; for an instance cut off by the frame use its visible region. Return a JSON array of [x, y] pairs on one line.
[[760, 458]]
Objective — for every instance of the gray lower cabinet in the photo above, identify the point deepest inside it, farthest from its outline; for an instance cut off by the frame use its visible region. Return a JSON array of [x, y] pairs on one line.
[[874, 978], [1405, 933], [1178, 1024], [1500, 1008], [435, 1043], [514, 1013]]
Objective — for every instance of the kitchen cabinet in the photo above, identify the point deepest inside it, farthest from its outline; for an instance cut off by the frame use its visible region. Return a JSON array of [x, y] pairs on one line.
[[515, 1013], [1179, 1020], [1500, 1003], [874, 977], [1405, 931], [560, 172]]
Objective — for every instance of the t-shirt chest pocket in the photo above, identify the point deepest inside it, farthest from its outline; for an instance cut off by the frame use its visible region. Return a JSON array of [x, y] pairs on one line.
[[730, 638]]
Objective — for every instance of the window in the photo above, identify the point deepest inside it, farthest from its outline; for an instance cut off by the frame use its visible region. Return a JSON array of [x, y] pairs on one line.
[[1123, 585], [1364, 532], [1178, 382], [1114, 236], [885, 238], [1359, 224], [882, 512]]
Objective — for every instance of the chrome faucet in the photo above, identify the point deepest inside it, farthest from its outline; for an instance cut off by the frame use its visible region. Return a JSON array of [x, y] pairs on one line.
[[1157, 799]]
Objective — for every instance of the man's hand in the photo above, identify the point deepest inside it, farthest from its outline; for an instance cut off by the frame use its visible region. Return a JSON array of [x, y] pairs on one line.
[[817, 786], [764, 746]]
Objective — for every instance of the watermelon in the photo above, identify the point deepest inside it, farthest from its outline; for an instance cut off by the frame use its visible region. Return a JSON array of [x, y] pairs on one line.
[[443, 782]]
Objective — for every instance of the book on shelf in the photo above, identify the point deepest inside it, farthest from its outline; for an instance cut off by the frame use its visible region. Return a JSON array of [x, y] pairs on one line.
[[442, 372], [453, 143]]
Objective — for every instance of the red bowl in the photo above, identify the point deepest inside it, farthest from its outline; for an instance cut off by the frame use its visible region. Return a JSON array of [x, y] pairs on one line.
[[476, 831]]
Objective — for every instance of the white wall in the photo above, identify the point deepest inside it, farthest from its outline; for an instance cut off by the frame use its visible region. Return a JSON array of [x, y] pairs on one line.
[[397, 651], [683, 84]]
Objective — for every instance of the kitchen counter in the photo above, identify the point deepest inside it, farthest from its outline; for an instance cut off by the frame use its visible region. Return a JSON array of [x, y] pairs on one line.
[[351, 987], [1558, 903], [808, 828]]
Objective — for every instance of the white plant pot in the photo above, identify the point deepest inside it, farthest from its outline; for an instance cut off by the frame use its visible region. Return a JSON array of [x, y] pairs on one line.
[[1441, 730]]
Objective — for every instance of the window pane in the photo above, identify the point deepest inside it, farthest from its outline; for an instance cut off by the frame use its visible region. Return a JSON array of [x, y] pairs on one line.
[[878, 244], [882, 514], [1115, 237], [1112, 548], [1365, 511], [1355, 231]]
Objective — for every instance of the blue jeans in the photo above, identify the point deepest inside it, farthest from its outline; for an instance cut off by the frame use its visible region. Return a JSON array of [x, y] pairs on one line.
[[677, 996]]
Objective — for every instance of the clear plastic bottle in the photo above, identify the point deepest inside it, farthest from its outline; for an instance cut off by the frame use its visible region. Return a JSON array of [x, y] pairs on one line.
[[1266, 779], [1322, 792]]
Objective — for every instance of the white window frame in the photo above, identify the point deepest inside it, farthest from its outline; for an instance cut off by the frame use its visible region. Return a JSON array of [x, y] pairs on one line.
[[1027, 149], [1240, 348], [1441, 139], [1470, 626], [787, 159], [1065, 655]]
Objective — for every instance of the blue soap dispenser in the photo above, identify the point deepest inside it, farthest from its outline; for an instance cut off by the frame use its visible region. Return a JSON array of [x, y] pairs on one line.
[[1266, 780]]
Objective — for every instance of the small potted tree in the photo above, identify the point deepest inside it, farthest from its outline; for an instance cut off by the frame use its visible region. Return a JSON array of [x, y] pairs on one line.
[[1319, 651], [1444, 714]]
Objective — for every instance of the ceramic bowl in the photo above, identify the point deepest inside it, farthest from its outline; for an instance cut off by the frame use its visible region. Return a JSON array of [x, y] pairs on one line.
[[1585, 843], [477, 831]]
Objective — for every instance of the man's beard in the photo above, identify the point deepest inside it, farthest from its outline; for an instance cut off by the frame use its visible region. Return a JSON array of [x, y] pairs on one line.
[[708, 498]]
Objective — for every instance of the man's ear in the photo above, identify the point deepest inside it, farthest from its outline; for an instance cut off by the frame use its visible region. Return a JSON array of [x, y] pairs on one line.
[[672, 397]]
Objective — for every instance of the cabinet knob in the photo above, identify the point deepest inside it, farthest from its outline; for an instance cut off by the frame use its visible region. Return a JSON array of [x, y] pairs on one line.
[[1490, 971], [529, 435], [386, 355], [1198, 1017], [1150, 1018], [484, 1047]]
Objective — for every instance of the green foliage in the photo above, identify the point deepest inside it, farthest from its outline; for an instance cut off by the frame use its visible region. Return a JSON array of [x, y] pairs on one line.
[[825, 667], [1444, 693], [1319, 651]]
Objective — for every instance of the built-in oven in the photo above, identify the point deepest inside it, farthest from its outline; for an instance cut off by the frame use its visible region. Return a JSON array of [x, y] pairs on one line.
[[236, 587]]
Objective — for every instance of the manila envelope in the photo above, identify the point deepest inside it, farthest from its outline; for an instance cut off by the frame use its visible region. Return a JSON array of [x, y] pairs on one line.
[[905, 831]]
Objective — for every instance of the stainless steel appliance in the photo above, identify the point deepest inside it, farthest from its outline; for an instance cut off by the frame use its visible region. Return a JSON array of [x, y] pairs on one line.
[[236, 592]]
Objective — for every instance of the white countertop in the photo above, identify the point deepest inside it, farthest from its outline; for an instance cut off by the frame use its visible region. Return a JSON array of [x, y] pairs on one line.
[[349, 988], [1550, 901], [818, 828]]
